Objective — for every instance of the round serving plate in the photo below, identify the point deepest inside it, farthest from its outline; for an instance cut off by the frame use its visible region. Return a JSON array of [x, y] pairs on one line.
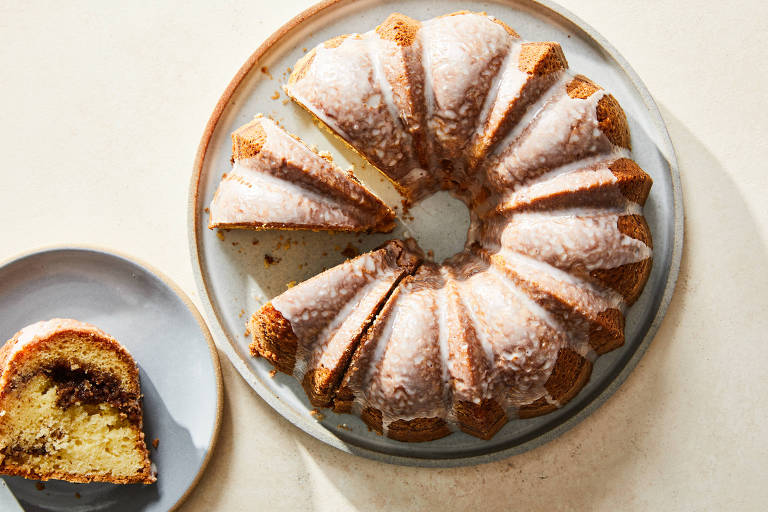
[[178, 367], [238, 271]]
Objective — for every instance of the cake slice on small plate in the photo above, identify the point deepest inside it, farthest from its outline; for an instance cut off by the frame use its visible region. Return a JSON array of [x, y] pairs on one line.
[[70, 406], [277, 182]]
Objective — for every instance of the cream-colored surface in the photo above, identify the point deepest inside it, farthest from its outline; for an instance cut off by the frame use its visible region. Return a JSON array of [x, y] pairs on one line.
[[103, 107]]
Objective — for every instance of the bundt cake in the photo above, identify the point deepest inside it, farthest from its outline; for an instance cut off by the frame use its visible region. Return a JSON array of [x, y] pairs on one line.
[[557, 246], [70, 406], [278, 182]]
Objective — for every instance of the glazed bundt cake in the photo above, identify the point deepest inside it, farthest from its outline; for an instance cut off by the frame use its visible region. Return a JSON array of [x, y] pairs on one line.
[[557, 246], [277, 182], [70, 406]]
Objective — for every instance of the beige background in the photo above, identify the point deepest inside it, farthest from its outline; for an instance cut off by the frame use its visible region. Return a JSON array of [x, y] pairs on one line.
[[102, 107]]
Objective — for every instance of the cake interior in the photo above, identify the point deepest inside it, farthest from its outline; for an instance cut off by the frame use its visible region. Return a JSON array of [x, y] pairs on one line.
[[71, 411]]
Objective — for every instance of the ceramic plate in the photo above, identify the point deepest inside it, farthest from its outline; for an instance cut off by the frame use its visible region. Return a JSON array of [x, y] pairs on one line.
[[234, 272], [178, 365]]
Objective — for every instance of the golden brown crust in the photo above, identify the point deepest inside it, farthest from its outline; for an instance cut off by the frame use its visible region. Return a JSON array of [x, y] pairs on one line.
[[70, 477], [633, 182], [541, 58], [569, 375], [273, 338], [610, 116], [481, 420], [384, 226], [613, 121], [629, 280], [416, 430], [248, 140], [399, 28], [606, 332], [581, 87]]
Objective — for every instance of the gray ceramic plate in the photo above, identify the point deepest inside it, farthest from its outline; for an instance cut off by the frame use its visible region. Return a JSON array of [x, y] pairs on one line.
[[179, 367], [234, 280]]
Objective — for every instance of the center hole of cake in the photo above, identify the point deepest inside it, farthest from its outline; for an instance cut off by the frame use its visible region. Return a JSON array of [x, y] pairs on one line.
[[439, 223]]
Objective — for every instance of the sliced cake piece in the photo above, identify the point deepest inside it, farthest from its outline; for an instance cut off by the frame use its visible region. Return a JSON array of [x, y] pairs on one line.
[[277, 182], [312, 329], [340, 82], [612, 183], [395, 379], [579, 121], [70, 406], [528, 71], [463, 52], [592, 315], [610, 246]]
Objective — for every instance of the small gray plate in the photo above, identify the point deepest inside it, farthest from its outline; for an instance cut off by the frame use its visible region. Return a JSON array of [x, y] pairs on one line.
[[179, 367], [234, 280]]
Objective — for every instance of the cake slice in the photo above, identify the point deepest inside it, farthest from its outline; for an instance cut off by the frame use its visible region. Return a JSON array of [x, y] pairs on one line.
[[340, 83], [277, 182], [70, 406], [578, 121], [312, 329]]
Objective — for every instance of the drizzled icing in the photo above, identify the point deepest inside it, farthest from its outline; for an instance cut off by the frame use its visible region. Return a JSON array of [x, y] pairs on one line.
[[481, 326], [286, 182], [328, 312]]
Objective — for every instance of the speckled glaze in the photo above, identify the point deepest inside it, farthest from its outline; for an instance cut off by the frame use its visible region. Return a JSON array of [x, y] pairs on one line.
[[539, 263], [288, 183]]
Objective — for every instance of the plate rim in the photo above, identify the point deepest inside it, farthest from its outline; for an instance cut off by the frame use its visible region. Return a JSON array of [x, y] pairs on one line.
[[151, 269], [311, 427]]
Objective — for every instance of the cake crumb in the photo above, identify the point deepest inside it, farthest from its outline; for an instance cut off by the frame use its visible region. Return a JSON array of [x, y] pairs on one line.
[[431, 254], [155, 443], [270, 260], [304, 49], [276, 96], [220, 234], [265, 70], [272, 373], [39, 486], [350, 251], [290, 284], [255, 242], [343, 426], [242, 312], [77, 495], [317, 415], [235, 244], [207, 210]]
